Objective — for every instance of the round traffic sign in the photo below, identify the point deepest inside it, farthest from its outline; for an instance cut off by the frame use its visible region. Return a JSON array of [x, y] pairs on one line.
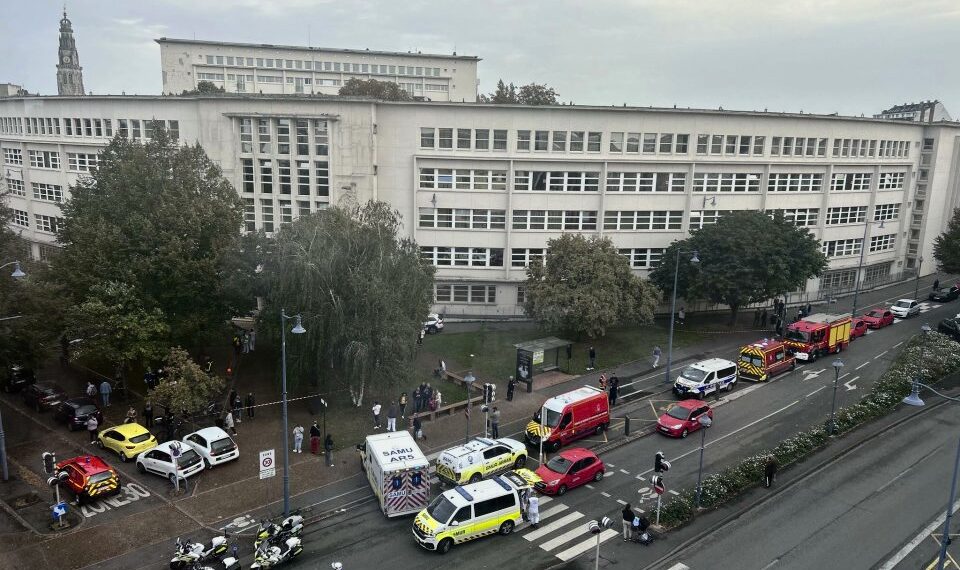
[[267, 462]]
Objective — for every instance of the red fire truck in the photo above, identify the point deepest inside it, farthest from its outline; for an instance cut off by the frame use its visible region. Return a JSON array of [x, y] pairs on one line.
[[818, 335]]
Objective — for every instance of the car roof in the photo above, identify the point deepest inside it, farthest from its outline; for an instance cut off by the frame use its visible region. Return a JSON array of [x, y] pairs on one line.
[[576, 453], [482, 490], [210, 433], [87, 463], [165, 446], [712, 364], [906, 300], [129, 429], [691, 404], [80, 402]]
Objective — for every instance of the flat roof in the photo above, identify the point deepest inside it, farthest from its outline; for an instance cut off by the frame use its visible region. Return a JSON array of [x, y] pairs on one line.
[[306, 48]]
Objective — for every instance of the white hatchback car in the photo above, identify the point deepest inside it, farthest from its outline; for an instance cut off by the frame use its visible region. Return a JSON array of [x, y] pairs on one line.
[[904, 308], [214, 446], [433, 324], [159, 461]]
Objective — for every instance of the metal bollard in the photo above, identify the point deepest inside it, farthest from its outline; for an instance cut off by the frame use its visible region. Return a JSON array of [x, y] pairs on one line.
[[626, 425]]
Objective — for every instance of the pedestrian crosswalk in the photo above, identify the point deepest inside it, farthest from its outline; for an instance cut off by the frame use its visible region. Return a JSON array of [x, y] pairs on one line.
[[562, 532]]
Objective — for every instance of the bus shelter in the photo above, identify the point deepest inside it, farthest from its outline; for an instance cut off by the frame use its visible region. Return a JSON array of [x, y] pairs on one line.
[[538, 356]]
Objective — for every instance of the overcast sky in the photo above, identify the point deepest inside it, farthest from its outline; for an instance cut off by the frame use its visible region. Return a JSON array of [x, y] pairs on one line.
[[819, 56]]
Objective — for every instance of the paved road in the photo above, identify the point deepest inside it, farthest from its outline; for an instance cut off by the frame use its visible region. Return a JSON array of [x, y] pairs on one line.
[[848, 515]]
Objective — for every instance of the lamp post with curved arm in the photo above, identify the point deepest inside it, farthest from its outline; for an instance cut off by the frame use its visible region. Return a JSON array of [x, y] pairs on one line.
[[673, 307], [297, 329]]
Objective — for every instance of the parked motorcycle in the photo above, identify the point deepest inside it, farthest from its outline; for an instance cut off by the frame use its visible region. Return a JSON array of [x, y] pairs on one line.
[[228, 563], [275, 534], [268, 556], [190, 553]]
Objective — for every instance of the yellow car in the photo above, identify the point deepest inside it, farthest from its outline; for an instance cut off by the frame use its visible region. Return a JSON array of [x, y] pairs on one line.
[[479, 459], [127, 440]]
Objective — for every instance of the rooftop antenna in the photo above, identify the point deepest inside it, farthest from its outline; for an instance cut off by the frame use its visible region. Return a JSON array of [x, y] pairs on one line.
[[308, 36]]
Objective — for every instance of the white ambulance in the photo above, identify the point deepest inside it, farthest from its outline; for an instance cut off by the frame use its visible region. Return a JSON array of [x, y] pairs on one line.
[[479, 459], [397, 471]]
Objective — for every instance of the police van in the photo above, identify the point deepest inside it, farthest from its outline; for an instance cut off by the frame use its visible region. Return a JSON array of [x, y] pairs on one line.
[[705, 377], [471, 511], [480, 458]]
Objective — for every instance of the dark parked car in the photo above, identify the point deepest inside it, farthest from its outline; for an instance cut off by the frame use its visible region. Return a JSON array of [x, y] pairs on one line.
[[951, 328], [75, 411], [17, 378], [945, 294], [43, 396]]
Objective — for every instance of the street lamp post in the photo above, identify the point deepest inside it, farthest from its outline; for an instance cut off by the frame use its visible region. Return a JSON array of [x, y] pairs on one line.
[[916, 289], [597, 527], [856, 279], [673, 308], [469, 379], [705, 422], [837, 365], [914, 398], [17, 274], [297, 329]]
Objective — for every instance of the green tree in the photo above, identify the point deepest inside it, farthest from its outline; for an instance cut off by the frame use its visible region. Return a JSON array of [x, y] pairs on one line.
[[186, 389], [536, 94], [363, 292], [160, 218], [382, 90], [113, 325], [946, 248], [204, 87], [586, 286], [745, 257], [503, 94], [243, 278]]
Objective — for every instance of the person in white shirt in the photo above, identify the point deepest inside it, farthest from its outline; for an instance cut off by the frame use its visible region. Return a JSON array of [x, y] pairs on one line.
[[376, 415]]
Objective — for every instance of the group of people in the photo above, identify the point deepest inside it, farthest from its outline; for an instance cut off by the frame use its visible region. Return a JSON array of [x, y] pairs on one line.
[[315, 435], [530, 508], [425, 398], [104, 390], [611, 386], [244, 341]]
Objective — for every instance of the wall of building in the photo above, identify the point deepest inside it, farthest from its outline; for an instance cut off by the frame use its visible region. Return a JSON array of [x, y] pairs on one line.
[[461, 165]]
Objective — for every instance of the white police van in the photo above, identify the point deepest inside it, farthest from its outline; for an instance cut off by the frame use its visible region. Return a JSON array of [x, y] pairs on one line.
[[705, 377]]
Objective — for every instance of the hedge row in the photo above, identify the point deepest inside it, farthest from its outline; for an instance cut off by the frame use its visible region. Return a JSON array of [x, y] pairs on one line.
[[941, 356]]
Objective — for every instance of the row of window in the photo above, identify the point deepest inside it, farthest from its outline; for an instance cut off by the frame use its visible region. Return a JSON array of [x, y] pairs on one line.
[[577, 220], [466, 293], [646, 181], [50, 160], [621, 142], [462, 256], [286, 208], [86, 127], [477, 219], [309, 178], [306, 64], [48, 224], [302, 137], [639, 258], [462, 179]]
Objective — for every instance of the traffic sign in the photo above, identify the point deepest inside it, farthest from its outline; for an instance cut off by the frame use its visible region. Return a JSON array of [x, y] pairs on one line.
[[59, 510], [175, 450], [658, 486], [267, 463]]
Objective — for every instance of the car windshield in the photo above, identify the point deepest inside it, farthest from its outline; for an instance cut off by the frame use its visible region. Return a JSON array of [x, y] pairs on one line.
[[221, 445], [678, 412], [100, 477], [553, 418], [441, 509], [559, 464], [903, 304], [691, 373], [140, 438], [750, 359], [87, 409], [802, 336], [875, 314]]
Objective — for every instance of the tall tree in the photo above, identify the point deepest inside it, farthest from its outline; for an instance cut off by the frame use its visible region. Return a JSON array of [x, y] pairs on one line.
[[745, 257], [363, 292], [382, 90], [536, 94], [504, 94], [113, 325], [185, 389], [585, 287], [204, 87], [946, 248], [159, 218]]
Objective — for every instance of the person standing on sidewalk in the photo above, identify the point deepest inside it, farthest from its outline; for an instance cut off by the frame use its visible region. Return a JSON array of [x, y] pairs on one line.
[[511, 386], [315, 438], [298, 439], [403, 405], [105, 390], [420, 337], [251, 402], [91, 390], [328, 450], [237, 405], [936, 284], [656, 355], [592, 354], [602, 381], [495, 423], [614, 390], [92, 426], [770, 471], [147, 414], [533, 511], [628, 515], [253, 339], [228, 423], [418, 399], [392, 416], [681, 316], [376, 414], [131, 416]]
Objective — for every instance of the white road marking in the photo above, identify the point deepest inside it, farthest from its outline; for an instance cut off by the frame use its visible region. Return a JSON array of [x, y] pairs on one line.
[[815, 391], [622, 502], [605, 494], [588, 486], [849, 384], [545, 499], [555, 525], [808, 374], [862, 365], [624, 471], [895, 560], [556, 509], [879, 355], [611, 465], [607, 474], [586, 545], [679, 566], [898, 344], [671, 491], [577, 531]]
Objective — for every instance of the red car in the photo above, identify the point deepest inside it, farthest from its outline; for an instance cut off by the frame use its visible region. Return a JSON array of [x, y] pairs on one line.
[[681, 418], [858, 328], [568, 469], [878, 318]]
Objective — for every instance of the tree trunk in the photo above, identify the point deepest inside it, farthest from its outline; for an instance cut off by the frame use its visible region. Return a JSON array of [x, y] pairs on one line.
[[356, 395], [734, 310]]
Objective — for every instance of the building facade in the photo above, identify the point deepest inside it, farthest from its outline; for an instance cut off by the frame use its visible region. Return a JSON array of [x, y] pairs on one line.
[[922, 112], [482, 188], [69, 72], [277, 69]]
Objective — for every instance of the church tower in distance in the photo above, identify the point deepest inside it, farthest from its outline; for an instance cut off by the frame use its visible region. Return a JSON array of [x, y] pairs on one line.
[[69, 72]]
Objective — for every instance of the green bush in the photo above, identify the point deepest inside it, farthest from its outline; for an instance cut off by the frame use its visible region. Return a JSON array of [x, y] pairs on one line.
[[941, 356]]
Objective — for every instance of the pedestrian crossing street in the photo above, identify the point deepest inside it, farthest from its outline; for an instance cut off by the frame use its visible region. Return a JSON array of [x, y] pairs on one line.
[[563, 532]]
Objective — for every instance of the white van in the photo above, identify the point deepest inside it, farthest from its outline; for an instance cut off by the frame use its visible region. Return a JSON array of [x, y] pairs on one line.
[[397, 471], [705, 377], [479, 509]]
